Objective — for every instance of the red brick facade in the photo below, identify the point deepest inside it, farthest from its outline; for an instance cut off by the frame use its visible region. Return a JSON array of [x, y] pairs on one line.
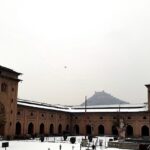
[[22, 119]]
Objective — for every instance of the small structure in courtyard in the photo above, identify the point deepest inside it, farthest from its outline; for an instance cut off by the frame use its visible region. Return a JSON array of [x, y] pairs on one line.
[[121, 129]]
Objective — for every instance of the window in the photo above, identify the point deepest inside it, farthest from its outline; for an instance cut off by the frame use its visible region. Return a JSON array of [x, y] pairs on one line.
[[31, 114], [18, 113], [100, 117], [51, 116], [129, 117], [42, 115], [144, 117], [12, 89], [12, 100], [4, 87]]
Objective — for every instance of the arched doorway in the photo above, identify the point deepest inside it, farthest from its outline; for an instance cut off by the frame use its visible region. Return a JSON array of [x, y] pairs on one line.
[[76, 130], [2, 119], [101, 130], [30, 129], [114, 131], [88, 130], [51, 130], [18, 128], [42, 128], [60, 129], [129, 131], [67, 128], [145, 131]]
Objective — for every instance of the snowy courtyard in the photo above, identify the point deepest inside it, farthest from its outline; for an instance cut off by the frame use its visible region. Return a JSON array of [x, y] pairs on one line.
[[56, 143]]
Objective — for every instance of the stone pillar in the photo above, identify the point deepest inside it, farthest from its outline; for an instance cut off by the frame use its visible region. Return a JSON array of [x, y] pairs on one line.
[[148, 89]]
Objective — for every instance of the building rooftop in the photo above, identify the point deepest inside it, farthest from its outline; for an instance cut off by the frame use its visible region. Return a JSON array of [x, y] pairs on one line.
[[81, 109], [9, 70]]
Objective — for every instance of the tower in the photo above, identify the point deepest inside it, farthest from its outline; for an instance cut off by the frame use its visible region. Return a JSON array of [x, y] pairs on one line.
[[148, 89], [8, 100]]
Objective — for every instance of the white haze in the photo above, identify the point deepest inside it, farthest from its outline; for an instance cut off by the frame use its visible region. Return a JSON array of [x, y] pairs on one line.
[[69, 49]]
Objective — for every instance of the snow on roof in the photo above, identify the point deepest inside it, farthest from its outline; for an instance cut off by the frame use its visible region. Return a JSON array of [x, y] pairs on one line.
[[81, 109], [40, 105]]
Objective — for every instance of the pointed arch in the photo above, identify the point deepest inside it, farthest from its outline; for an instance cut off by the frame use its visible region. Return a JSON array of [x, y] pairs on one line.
[[76, 129], [101, 130], [144, 131], [41, 128], [129, 131], [67, 127], [60, 129], [88, 130], [2, 119], [51, 129], [114, 130], [18, 128], [31, 128]]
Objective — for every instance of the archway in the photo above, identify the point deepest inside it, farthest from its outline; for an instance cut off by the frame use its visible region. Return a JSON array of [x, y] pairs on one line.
[[88, 130], [51, 130], [76, 130], [30, 128], [114, 131], [60, 129], [67, 128], [101, 130], [2, 119], [42, 128], [145, 131], [18, 128], [129, 131]]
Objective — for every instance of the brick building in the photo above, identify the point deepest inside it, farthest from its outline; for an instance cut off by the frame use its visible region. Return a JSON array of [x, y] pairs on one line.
[[24, 117], [8, 99]]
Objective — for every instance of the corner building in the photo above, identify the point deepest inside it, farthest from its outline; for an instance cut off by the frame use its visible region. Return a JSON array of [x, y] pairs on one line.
[[8, 99], [24, 117]]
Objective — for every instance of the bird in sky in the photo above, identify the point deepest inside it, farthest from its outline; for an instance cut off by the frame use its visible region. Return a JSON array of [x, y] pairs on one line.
[[65, 67]]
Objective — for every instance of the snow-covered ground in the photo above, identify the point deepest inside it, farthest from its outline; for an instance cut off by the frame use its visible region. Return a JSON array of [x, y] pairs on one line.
[[55, 144]]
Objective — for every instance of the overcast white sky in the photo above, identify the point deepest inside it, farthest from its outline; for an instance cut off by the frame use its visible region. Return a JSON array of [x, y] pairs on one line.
[[105, 45]]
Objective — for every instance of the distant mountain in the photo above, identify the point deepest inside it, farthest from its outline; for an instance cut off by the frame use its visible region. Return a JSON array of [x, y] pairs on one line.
[[103, 98]]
